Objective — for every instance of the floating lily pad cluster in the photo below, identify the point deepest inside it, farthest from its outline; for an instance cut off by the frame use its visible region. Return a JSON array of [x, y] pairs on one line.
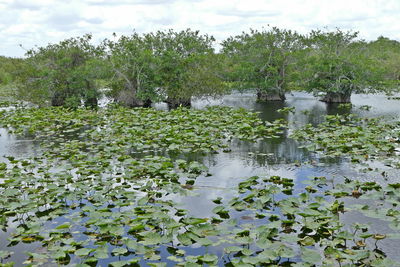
[[361, 139], [89, 191], [102, 191], [91, 211], [180, 130], [291, 226]]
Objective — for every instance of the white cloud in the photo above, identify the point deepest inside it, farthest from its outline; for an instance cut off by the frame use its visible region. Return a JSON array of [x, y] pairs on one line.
[[38, 22]]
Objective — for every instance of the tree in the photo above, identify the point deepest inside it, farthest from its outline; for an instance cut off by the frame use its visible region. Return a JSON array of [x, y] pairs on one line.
[[62, 74], [264, 60], [163, 66], [386, 54], [337, 65], [133, 70], [10, 69], [186, 65]]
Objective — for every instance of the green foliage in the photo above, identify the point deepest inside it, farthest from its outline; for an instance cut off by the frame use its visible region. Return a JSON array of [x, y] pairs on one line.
[[62, 74], [11, 72], [187, 65], [337, 64], [264, 60], [174, 66], [134, 70], [386, 54], [10, 69], [165, 65]]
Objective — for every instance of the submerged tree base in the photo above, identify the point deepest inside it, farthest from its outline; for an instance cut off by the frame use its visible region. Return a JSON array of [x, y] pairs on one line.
[[129, 99], [264, 96], [331, 97], [91, 102], [176, 103], [57, 100]]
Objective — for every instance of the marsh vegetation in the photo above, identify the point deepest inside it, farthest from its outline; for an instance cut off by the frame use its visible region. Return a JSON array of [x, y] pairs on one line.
[[261, 176]]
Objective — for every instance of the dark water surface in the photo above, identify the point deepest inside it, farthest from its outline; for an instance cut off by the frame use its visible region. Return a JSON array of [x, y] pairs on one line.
[[281, 157]]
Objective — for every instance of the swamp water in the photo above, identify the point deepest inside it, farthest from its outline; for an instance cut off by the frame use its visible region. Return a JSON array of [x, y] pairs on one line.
[[280, 156]]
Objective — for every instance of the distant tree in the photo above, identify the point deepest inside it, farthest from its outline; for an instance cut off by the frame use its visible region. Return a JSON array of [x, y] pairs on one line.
[[337, 65], [264, 60], [62, 74], [386, 54], [10, 69]]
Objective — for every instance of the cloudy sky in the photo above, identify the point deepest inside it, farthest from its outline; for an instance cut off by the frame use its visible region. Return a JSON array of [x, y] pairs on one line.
[[39, 22]]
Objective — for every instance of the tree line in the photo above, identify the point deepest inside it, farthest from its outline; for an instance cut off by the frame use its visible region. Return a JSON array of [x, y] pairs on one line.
[[175, 66]]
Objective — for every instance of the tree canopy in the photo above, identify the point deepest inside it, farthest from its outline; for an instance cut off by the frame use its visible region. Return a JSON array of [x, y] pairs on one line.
[[264, 60], [164, 66], [174, 66], [63, 73], [337, 65]]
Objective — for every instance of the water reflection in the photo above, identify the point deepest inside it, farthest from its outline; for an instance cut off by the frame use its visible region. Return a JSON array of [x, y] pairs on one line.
[[11, 145]]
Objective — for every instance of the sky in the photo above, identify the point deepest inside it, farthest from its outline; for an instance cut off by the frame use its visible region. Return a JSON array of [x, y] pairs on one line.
[[33, 23]]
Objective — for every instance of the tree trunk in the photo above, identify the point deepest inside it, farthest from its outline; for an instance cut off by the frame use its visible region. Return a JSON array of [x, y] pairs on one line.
[[334, 97], [147, 103], [90, 96], [58, 99], [128, 99], [270, 96], [175, 103], [91, 102]]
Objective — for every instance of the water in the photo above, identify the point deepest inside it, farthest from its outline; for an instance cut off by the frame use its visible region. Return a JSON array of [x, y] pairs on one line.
[[283, 157], [280, 156]]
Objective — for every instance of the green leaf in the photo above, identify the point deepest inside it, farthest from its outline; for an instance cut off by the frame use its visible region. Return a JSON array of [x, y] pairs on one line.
[[151, 238], [119, 251], [101, 252], [310, 256], [59, 254], [5, 254], [209, 258], [82, 252], [66, 225]]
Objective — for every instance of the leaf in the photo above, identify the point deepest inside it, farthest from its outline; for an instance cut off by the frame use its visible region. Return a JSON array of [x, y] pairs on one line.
[[82, 252], [185, 239], [66, 225], [101, 252], [59, 254], [310, 256], [195, 221], [119, 251], [307, 241], [5, 254], [232, 249], [3, 166], [151, 238], [208, 258], [204, 242], [157, 264], [217, 200], [124, 263], [220, 210]]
